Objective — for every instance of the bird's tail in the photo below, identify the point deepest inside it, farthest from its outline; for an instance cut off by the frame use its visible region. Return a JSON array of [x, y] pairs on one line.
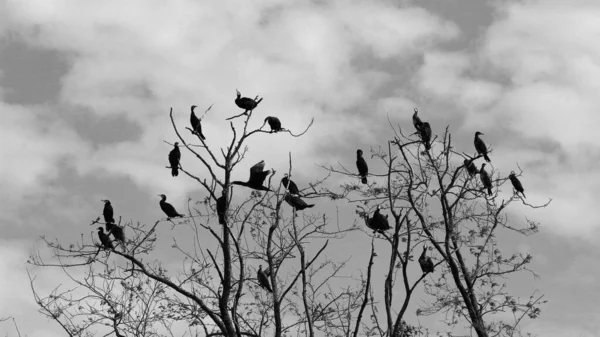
[[309, 206], [221, 220], [364, 180], [174, 171], [427, 146], [485, 156], [202, 136], [489, 191]]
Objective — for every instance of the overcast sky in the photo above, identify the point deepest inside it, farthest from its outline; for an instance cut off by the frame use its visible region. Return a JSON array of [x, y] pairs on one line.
[[86, 87]]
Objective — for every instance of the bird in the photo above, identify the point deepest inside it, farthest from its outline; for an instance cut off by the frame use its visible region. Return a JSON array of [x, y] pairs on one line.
[[361, 164], [104, 239], [246, 103], [168, 208], [485, 179], [425, 262], [108, 212], [257, 177], [470, 166], [116, 231], [516, 183], [196, 126], [481, 147], [274, 123], [425, 134], [378, 222], [263, 280], [222, 209], [296, 202], [417, 121], [174, 157], [289, 184]]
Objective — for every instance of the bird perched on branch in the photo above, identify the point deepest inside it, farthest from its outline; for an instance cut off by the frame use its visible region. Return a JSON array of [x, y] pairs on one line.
[[168, 208], [417, 121], [104, 239], [470, 166], [274, 123], [361, 164], [248, 104], [195, 122], [378, 223], [263, 280], [481, 147], [296, 202], [425, 134], [116, 231], [222, 209], [289, 184], [516, 183], [425, 262], [257, 177], [174, 157], [108, 212], [485, 179]]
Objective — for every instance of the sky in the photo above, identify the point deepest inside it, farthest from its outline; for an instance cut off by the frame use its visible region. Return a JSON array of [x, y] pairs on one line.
[[86, 87]]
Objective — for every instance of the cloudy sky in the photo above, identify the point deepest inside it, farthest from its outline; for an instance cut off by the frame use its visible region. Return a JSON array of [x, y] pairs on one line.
[[86, 87]]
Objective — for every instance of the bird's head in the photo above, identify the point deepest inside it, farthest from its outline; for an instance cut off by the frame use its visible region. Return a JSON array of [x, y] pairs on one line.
[[260, 267], [162, 196], [194, 107], [416, 111], [512, 173], [106, 201], [285, 175], [268, 118], [359, 152], [478, 133], [483, 165], [100, 229], [176, 144]]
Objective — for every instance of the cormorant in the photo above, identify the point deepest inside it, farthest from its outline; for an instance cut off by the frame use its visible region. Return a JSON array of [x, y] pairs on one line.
[[263, 280], [257, 177], [481, 147], [378, 222], [168, 208], [417, 121], [516, 183], [196, 126], [361, 164], [485, 179], [289, 185], [425, 262], [116, 231], [104, 239], [296, 202], [221, 209], [174, 157], [108, 212], [425, 134], [274, 123], [246, 103], [470, 166]]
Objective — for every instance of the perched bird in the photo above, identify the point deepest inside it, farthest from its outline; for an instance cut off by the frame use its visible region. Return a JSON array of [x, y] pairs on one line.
[[108, 212], [263, 280], [378, 222], [289, 184], [361, 164], [246, 103], [174, 157], [417, 121], [516, 183], [221, 208], [116, 231], [470, 166], [481, 147], [425, 262], [168, 208], [274, 123], [425, 134], [257, 177], [196, 126], [104, 239], [296, 202], [485, 179]]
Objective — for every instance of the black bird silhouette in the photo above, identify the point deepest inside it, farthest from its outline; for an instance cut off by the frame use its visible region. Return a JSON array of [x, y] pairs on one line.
[[248, 104], [296, 202], [221, 208], [378, 223], [116, 231], [425, 262], [274, 123], [108, 212], [485, 179], [516, 183], [174, 157], [361, 164], [425, 134], [417, 121], [263, 280], [104, 239], [196, 126], [470, 166], [481, 147], [289, 184], [168, 208], [257, 177]]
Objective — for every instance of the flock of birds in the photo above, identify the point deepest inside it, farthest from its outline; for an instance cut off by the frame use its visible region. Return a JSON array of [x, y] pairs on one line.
[[378, 222]]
